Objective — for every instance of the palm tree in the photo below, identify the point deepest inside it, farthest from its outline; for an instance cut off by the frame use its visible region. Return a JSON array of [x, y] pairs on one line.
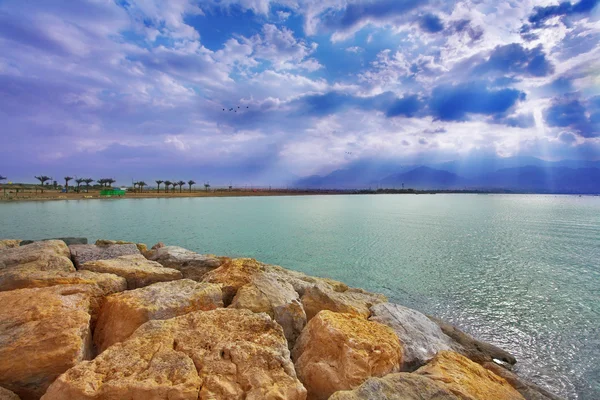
[[174, 185], [141, 184], [79, 181], [101, 182], [87, 184], [180, 184], [67, 179], [42, 179], [206, 186], [158, 182], [167, 184], [191, 182], [109, 182]]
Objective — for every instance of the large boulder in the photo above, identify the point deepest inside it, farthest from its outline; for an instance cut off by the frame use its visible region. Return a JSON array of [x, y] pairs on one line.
[[421, 338], [301, 281], [472, 348], [467, 379], [192, 265], [20, 278], [68, 241], [105, 243], [82, 253], [221, 354], [268, 293], [234, 274], [351, 301], [9, 243], [136, 269], [43, 333], [401, 386], [340, 351], [527, 389], [39, 256], [6, 394], [123, 313]]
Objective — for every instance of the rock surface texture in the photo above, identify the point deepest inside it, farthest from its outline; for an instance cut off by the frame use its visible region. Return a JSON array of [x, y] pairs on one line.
[[43, 333], [138, 271], [238, 355], [234, 274], [82, 253], [123, 313], [6, 394], [19, 278], [528, 390], [421, 338], [39, 256], [340, 351], [351, 301], [192, 265], [9, 243], [466, 379], [402, 386]]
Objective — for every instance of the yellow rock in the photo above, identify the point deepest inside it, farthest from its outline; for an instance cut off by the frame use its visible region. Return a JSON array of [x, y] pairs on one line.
[[6, 394], [233, 275], [136, 269], [466, 379], [41, 256], [340, 351], [351, 301], [20, 278], [123, 313], [103, 242], [223, 354], [9, 243], [43, 333]]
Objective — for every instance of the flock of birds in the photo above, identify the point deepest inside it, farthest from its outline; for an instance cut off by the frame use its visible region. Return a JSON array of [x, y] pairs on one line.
[[234, 109]]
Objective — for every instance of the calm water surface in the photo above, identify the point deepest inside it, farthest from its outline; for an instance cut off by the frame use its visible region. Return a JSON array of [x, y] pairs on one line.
[[522, 272]]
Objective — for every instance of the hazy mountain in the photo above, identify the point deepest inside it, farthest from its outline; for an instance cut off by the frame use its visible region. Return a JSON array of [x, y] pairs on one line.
[[423, 178]]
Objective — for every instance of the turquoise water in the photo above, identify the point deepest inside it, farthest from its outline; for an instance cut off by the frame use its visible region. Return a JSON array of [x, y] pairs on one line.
[[520, 271]]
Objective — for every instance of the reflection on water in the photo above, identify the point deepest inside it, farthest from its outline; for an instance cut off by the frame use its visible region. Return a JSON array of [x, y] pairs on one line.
[[522, 272]]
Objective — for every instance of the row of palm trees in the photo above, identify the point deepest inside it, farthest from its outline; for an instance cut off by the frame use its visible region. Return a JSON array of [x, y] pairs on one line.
[[171, 183]]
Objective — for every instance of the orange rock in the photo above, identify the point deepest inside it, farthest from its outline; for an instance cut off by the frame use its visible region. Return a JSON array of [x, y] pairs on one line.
[[6, 394], [20, 278], [351, 301], [123, 313], [9, 243], [233, 275], [340, 351], [466, 379], [46, 255]]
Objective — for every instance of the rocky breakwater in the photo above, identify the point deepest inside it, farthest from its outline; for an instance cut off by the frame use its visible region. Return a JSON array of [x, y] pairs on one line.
[[116, 320]]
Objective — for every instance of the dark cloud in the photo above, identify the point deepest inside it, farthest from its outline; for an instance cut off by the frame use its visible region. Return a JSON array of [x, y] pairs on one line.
[[567, 137], [542, 14], [517, 121], [431, 23], [515, 59], [454, 103], [583, 117], [356, 13], [406, 106], [465, 25], [332, 102]]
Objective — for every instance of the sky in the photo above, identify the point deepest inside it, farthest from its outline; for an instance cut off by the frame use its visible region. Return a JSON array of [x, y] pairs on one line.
[[142, 89]]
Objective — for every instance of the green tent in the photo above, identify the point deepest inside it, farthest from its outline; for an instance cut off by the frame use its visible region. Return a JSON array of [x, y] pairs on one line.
[[112, 193]]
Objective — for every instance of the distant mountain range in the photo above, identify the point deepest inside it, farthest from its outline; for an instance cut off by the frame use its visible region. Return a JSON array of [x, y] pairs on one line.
[[521, 174]]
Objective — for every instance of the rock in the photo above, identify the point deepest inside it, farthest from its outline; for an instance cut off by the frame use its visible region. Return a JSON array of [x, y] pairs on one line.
[[6, 394], [123, 313], [351, 301], [41, 256], [421, 338], [9, 243], [192, 265], [401, 386], [234, 274], [19, 278], [104, 243], [158, 245], [340, 351], [268, 293], [89, 252], [301, 281], [136, 269], [43, 333], [221, 354], [68, 241], [528, 390], [467, 379], [472, 348]]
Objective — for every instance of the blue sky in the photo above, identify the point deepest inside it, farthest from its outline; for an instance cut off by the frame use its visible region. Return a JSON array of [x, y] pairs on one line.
[[136, 88]]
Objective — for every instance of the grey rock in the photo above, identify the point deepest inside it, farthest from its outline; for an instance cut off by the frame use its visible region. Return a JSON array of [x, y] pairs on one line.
[[192, 265], [527, 389], [68, 240], [82, 253], [421, 338]]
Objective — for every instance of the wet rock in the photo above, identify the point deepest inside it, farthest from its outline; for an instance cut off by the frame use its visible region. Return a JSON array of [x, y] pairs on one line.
[[68, 241], [123, 313], [351, 301], [6, 394], [9, 243], [401, 386], [239, 354], [43, 333], [234, 274], [472, 348], [19, 278], [467, 379], [421, 338], [340, 351], [192, 265], [528, 390], [89, 252], [136, 269], [270, 294]]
